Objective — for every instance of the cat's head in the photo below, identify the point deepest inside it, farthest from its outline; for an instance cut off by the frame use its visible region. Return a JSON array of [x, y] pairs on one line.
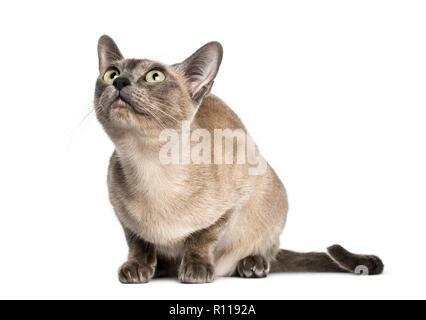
[[143, 95]]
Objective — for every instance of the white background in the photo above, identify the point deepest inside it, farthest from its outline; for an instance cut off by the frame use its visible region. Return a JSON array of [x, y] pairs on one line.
[[332, 91]]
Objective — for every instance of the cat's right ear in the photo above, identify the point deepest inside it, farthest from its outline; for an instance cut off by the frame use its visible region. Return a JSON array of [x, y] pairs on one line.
[[108, 52]]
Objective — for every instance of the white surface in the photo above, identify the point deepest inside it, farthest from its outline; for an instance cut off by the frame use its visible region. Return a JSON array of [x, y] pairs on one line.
[[332, 91]]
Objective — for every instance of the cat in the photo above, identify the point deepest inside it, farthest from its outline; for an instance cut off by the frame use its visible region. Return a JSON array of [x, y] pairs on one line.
[[194, 221]]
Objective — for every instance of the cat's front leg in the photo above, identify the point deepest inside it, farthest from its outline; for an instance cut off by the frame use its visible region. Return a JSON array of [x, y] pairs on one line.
[[141, 263], [197, 262]]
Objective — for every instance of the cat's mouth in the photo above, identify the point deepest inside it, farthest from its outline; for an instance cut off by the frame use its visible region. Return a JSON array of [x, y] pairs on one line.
[[120, 103]]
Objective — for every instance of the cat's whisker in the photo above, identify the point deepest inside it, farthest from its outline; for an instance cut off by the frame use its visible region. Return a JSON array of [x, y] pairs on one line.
[[162, 125], [82, 121], [143, 101], [147, 102], [158, 120], [166, 114], [85, 117]]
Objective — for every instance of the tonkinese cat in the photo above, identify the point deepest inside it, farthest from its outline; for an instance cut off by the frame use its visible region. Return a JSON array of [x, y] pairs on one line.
[[187, 208]]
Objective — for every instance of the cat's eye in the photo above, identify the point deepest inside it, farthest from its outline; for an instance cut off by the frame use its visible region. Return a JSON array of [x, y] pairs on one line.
[[110, 75], [155, 76]]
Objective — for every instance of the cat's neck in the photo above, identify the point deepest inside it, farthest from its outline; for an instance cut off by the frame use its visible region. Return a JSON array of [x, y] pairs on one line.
[[139, 158]]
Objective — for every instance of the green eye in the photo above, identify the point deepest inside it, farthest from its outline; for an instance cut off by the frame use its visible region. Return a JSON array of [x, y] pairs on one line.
[[155, 76], [110, 75]]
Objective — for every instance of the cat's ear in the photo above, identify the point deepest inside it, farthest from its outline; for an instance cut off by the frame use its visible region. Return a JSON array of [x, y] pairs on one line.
[[201, 68], [108, 52]]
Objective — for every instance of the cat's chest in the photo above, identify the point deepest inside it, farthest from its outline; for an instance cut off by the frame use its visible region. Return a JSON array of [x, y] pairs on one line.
[[165, 218], [149, 201], [156, 221], [162, 204]]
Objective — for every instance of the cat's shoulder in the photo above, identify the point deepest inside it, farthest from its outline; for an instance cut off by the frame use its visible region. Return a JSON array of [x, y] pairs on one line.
[[213, 113]]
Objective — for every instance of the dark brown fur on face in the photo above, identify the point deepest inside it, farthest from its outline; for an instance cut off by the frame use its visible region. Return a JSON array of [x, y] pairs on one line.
[[193, 221]]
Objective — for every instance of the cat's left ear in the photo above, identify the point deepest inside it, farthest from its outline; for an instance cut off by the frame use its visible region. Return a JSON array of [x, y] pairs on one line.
[[201, 69], [108, 52]]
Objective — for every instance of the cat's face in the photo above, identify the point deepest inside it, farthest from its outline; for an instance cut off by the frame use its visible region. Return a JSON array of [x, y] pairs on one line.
[[144, 95]]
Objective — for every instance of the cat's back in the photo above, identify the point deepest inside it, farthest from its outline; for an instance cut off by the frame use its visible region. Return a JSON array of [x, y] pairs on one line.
[[213, 113]]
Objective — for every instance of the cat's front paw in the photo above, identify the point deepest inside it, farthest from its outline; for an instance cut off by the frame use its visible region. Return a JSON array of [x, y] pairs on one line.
[[135, 272], [196, 272], [253, 267]]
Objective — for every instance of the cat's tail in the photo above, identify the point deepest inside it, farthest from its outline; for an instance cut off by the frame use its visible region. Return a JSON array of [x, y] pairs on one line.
[[337, 259]]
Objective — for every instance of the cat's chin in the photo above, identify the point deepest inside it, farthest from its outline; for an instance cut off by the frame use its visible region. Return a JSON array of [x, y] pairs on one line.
[[120, 112]]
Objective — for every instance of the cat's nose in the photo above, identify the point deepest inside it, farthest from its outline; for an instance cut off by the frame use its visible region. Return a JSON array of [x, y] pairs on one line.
[[121, 82]]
